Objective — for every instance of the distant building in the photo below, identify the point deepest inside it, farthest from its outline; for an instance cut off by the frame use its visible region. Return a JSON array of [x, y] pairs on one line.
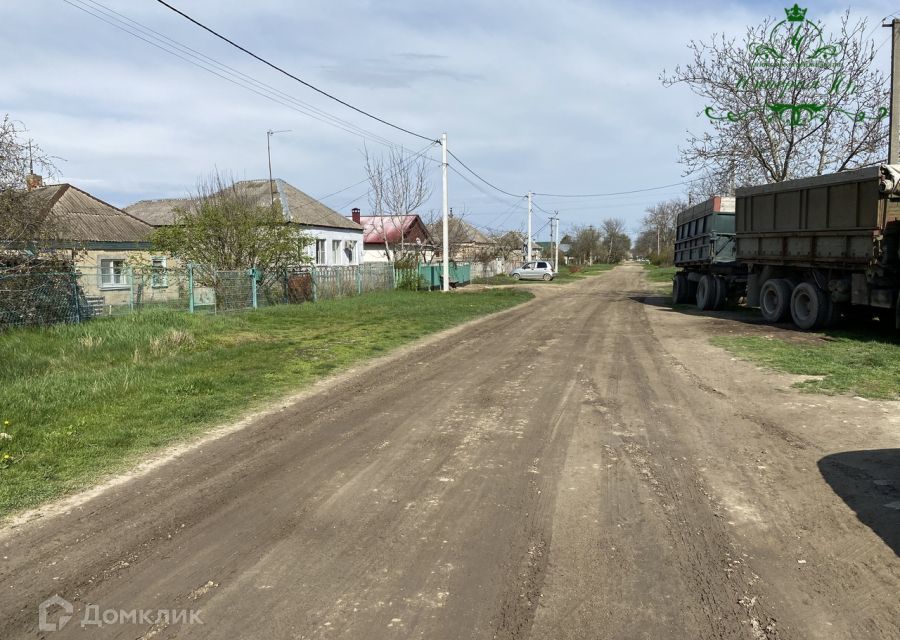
[[387, 237], [338, 241], [101, 242], [467, 242]]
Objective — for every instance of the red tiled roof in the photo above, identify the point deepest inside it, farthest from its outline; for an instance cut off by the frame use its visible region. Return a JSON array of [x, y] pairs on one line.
[[390, 229]]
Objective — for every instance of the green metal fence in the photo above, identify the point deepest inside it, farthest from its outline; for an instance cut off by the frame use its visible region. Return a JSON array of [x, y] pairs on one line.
[[36, 297]]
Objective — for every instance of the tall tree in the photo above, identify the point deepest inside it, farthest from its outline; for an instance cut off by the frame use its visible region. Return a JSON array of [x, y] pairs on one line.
[[784, 101], [616, 243], [399, 187], [586, 243]]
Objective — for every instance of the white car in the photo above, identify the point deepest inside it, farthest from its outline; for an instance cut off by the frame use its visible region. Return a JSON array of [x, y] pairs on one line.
[[536, 270]]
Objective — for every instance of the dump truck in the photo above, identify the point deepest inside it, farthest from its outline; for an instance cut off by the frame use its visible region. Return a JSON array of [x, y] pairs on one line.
[[705, 253], [810, 250]]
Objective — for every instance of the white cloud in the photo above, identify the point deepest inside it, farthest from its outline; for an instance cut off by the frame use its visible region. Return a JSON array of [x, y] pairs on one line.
[[548, 96]]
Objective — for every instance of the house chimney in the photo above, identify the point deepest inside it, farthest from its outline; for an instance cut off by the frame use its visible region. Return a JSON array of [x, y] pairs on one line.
[[355, 214], [33, 181]]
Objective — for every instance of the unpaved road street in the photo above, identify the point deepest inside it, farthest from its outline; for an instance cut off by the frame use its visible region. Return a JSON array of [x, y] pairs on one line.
[[582, 466]]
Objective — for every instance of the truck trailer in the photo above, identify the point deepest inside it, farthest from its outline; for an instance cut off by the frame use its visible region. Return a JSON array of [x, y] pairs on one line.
[[812, 250]]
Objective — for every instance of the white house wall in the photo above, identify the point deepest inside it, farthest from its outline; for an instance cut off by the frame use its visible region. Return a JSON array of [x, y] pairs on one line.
[[330, 236]]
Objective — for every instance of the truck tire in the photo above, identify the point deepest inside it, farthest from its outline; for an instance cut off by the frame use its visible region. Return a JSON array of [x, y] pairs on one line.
[[680, 289], [775, 300], [811, 308], [721, 292], [706, 293]]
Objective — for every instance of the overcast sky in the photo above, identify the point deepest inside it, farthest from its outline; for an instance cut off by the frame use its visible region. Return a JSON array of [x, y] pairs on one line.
[[557, 96]]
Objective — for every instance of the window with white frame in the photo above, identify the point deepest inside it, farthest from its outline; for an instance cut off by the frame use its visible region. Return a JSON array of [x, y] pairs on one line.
[[159, 279], [320, 251], [336, 251], [350, 250], [113, 273]]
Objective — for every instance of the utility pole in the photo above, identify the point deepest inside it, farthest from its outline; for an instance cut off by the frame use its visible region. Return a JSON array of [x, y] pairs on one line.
[[269, 135], [894, 126], [528, 257], [556, 241], [445, 229]]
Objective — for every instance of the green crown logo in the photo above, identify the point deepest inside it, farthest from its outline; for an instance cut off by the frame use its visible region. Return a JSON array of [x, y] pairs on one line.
[[795, 14]]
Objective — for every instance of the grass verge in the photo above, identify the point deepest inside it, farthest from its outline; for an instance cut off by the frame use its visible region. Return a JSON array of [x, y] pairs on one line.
[[80, 401], [563, 277], [855, 363], [658, 274]]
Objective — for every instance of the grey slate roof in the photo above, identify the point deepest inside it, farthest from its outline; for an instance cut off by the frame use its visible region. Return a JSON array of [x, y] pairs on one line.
[[157, 212], [297, 206], [459, 230], [80, 217]]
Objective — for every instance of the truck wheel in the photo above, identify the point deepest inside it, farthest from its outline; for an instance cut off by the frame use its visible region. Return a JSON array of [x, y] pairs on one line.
[[680, 289], [775, 300], [706, 293], [721, 292], [810, 306]]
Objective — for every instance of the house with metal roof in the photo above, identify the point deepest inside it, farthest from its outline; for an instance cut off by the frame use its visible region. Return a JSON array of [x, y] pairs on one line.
[[388, 238], [337, 240]]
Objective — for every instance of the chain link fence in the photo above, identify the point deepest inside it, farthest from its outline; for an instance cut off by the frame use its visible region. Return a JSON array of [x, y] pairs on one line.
[[32, 296]]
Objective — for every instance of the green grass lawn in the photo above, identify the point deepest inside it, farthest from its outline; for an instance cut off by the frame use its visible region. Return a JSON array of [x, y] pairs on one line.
[[847, 362], [563, 277], [79, 401], [656, 273]]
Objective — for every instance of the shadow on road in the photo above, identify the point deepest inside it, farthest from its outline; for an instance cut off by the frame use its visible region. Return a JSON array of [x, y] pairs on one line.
[[861, 329], [737, 314], [869, 482]]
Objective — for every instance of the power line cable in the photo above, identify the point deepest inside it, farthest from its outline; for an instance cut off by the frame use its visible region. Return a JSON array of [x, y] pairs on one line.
[[615, 193], [290, 75], [234, 76], [474, 173]]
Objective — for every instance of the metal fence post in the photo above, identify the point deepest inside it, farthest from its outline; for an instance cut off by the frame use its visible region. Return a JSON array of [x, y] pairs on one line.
[[253, 285], [190, 270], [131, 287], [315, 285], [75, 295], [358, 280]]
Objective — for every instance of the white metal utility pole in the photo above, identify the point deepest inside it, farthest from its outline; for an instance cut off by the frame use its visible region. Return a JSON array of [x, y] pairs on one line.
[[528, 256], [556, 241], [445, 258], [894, 126]]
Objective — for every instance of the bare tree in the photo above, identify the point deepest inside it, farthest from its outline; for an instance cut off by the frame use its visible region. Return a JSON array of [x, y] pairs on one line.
[[463, 239], [399, 187], [785, 101], [25, 230], [616, 242], [586, 243], [508, 244], [660, 224]]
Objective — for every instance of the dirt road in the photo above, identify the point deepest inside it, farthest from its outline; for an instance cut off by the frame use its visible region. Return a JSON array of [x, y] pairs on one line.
[[582, 466]]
